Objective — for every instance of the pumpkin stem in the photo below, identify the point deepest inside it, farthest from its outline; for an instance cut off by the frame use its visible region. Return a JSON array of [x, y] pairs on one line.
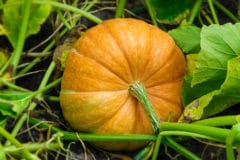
[[138, 90]]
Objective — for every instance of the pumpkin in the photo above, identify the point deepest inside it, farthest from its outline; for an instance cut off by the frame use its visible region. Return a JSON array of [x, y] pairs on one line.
[[101, 66]]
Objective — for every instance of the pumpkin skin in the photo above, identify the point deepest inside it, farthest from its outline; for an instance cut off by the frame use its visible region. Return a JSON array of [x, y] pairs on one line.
[[103, 63]]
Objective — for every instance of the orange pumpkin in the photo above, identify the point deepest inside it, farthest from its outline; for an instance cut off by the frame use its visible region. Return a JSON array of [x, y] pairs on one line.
[[102, 65]]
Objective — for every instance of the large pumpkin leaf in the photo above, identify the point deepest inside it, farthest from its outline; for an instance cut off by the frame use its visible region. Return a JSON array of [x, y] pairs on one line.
[[218, 45], [215, 82], [171, 11], [190, 94], [217, 100], [13, 15], [187, 37]]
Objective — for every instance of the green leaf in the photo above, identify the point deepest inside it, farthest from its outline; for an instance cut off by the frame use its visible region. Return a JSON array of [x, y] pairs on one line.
[[217, 100], [189, 94], [171, 11], [39, 14], [13, 15], [187, 37], [218, 45], [14, 102]]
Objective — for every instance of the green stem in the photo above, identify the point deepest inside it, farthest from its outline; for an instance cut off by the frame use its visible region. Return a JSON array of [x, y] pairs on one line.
[[38, 59], [157, 146], [37, 94], [70, 8], [2, 153], [219, 121], [120, 8], [47, 75], [215, 18], [5, 66], [200, 19], [54, 98], [195, 11], [167, 129], [138, 90], [32, 147], [219, 134], [180, 149], [226, 11], [12, 86], [25, 153], [92, 137], [145, 153], [17, 127], [64, 21], [47, 87], [29, 66], [207, 17], [187, 134], [151, 12], [22, 35], [229, 141]]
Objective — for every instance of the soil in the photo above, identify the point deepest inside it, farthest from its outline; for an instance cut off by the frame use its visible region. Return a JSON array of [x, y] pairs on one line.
[[50, 111]]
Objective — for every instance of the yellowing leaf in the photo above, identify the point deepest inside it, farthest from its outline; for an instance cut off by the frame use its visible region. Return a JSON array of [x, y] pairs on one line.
[[171, 11], [218, 100]]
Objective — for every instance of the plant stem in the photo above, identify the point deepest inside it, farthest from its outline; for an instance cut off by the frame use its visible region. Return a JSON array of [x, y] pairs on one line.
[[70, 8], [145, 153], [25, 153], [167, 129], [180, 149], [138, 90], [29, 66], [120, 8], [64, 21], [17, 127], [215, 18], [12, 86], [226, 11], [38, 59], [54, 98], [219, 121], [15, 58], [151, 12], [207, 17], [42, 85], [187, 134], [32, 147], [47, 87], [195, 11], [219, 134], [157, 146], [229, 141], [92, 137]]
